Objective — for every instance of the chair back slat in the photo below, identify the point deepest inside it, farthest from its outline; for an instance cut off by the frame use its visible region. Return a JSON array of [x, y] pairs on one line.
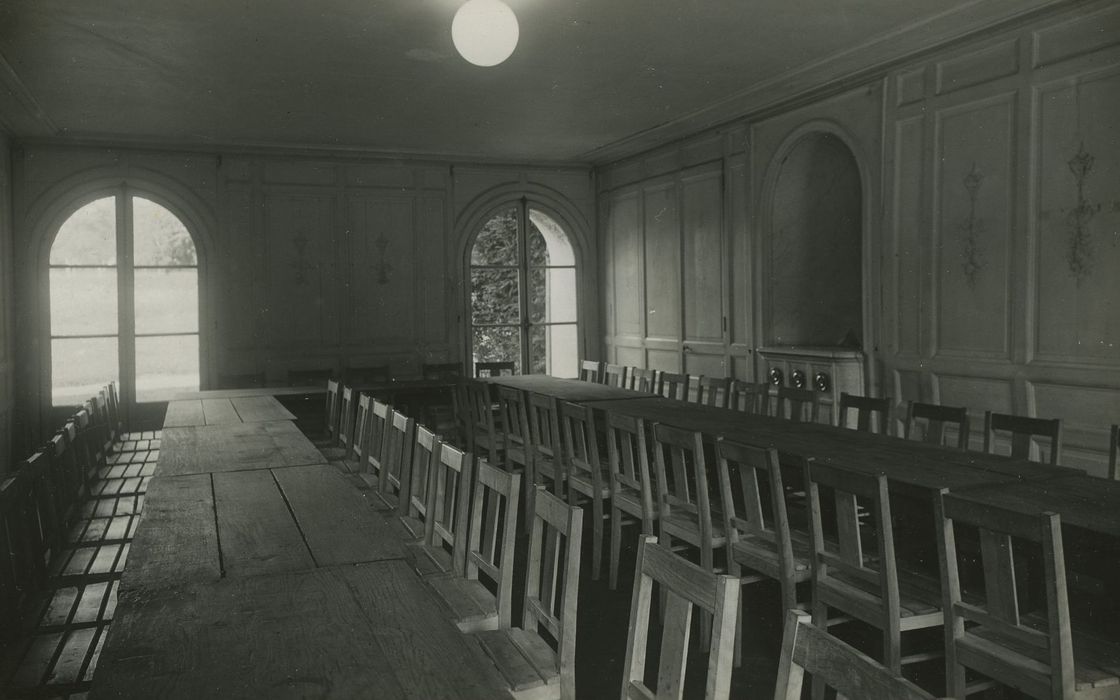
[[397, 461], [1023, 433], [591, 371], [937, 420], [798, 405], [493, 531], [806, 647], [615, 375], [425, 450], [495, 369], [684, 586], [866, 408], [552, 578], [449, 503]]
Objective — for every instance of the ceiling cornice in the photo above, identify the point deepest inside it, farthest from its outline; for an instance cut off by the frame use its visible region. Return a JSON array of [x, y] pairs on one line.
[[293, 150], [857, 65]]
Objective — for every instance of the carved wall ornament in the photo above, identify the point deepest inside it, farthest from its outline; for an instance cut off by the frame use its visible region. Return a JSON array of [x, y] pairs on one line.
[[301, 264], [383, 267], [1079, 252], [972, 256]]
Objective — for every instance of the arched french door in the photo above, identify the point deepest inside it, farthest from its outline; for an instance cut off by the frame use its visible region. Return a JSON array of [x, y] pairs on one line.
[[523, 300], [124, 302]]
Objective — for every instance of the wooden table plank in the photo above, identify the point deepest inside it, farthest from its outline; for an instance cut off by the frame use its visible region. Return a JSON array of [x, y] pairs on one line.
[[566, 389], [184, 413], [371, 630], [259, 409], [219, 412], [907, 463], [177, 541], [1087, 502], [259, 391], [258, 533], [337, 522], [234, 447]]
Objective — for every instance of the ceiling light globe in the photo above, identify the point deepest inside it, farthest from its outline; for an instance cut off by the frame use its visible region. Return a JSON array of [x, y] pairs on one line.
[[485, 32]]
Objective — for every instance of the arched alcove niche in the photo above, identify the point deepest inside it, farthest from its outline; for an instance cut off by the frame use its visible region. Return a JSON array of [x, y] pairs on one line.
[[816, 244]]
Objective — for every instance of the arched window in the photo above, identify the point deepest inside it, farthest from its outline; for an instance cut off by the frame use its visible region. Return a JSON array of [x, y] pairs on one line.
[[123, 302], [524, 248]]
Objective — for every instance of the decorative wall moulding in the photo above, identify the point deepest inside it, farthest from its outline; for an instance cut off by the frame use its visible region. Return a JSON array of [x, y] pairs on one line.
[[971, 227], [1080, 253]]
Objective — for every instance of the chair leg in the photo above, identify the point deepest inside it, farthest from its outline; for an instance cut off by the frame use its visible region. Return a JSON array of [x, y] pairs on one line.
[[616, 545], [820, 619], [707, 561], [597, 537]]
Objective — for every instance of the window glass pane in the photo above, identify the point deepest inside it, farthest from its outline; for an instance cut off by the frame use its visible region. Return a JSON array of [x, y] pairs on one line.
[[80, 367], [159, 237], [552, 294], [83, 301], [498, 344], [89, 236], [548, 244], [494, 296], [167, 300], [554, 350], [166, 365], [496, 243]]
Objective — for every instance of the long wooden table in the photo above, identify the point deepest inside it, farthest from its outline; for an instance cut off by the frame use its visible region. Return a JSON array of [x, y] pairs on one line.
[[260, 571], [223, 411], [255, 391], [566, 389]]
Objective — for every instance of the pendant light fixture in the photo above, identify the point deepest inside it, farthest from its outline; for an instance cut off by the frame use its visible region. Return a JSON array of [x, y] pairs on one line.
[[485, 31]]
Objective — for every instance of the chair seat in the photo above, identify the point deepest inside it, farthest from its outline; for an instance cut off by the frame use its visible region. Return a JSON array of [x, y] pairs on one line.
[[683, 526], [761, 554], [629, 500], [473, 607], [583, 484], [1096, 660], [919, 597], [525, 660]]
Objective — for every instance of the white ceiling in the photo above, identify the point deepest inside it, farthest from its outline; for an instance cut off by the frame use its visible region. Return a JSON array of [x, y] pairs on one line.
[[589, 78]]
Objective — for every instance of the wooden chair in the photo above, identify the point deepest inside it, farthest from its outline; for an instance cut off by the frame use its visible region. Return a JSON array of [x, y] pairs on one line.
[[347, 416], [544, 443], [485, 436], [69, 483], [756, 523], [630, 485], [683, 586], [643, 380], [414, 513], [936, 419], [868, 588], [494, 369], [1113, 452], [489, 554], [615, 375], [1023, 430], [798, 405], [377, 434], [367, 376], [309, 377], [586, 477], [461, 406], [1038, 652], [865, 409], [334, 405], [397, 460], [750, 397], [591, 371], [358, 445], [683, 502], [24, 554], [246, 380], [444, 544], [673, 386], [714, 391], [532, 666], [516, 436], [441, 370], [853, 674]]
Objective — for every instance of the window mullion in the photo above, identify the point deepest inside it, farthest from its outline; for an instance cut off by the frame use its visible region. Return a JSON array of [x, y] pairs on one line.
[[523, 280], [126, 298]]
